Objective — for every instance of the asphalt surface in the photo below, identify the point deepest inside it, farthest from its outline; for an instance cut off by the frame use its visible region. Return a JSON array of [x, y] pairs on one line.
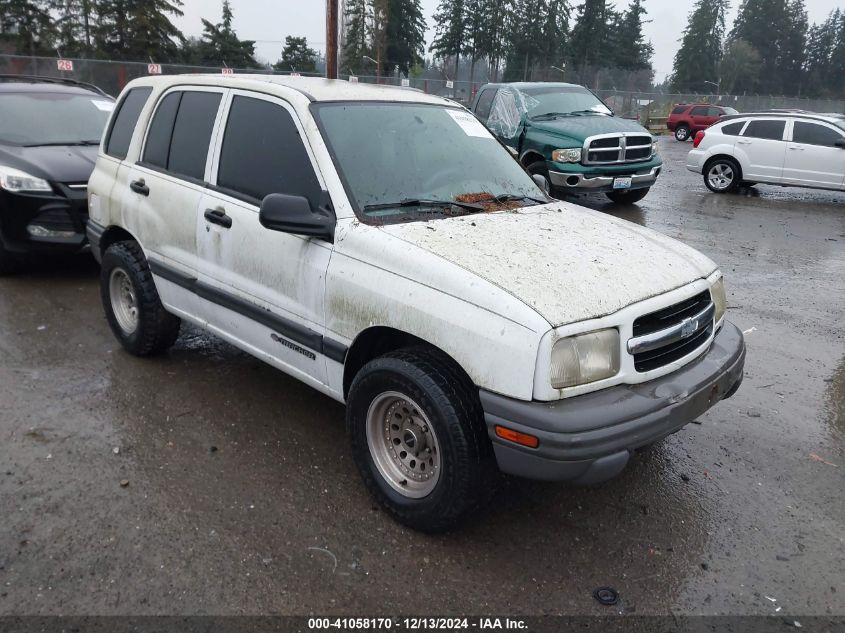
[[242, 497]]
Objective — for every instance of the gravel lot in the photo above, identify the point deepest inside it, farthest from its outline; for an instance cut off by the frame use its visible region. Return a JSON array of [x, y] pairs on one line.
[[242, 497]]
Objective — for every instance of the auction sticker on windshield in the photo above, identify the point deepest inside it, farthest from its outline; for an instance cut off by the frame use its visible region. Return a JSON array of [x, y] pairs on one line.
[[105, 106], [469, 124]]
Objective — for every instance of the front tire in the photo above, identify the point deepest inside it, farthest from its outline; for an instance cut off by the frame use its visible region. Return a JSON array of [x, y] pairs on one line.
[[682, 133], [131, 302], [631, 196], [419, 439], [722, 175]]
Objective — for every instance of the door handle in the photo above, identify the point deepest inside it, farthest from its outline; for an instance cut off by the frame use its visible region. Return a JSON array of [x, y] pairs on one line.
[[796, 147], [744, 142], [139, 186], [219, 217]]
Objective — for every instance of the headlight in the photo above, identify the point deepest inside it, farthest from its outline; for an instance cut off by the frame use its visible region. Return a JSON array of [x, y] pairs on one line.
[[566, 155], [717, 293], [12, 179], [585, 358], [654, 148]]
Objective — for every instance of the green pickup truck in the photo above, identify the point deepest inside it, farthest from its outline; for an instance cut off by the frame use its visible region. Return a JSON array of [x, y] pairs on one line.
[[566, 134]]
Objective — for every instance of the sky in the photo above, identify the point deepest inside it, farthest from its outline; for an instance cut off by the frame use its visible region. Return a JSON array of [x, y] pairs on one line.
[[268, 22]]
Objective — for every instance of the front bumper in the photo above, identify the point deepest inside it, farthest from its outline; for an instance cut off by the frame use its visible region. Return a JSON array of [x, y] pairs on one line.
[[589, 438], [589, 183], [49, 222]]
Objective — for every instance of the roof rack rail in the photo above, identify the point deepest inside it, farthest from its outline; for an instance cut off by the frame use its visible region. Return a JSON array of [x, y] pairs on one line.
[[53, 80]]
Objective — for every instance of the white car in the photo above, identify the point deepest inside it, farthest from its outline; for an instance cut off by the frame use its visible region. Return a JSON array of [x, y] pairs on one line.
[[799, 149], [381, 246]]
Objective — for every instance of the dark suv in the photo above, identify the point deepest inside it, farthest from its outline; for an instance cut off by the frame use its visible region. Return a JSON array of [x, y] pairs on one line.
[[49, 133], [688, 118]]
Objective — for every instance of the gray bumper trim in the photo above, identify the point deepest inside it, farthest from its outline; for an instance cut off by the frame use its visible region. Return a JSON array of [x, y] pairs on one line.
[[95, 233], [638, 181], [589, 438]]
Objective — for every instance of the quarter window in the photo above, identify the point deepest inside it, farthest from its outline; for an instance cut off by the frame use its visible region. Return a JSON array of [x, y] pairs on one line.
[[814, 134], [714, 111], [733, 129], [263, 153], [767, 128], [699, 111], [679, 109], [123, 124]]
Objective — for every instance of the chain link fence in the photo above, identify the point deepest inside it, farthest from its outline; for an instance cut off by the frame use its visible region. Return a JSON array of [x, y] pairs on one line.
[[648, 108]]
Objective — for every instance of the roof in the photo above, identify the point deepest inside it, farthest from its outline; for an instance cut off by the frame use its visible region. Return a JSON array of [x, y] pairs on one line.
[[36, 83], [314, 88], [799, 114]]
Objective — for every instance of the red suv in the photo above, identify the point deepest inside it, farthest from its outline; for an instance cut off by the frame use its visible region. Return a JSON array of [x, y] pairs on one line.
[[688, 118]]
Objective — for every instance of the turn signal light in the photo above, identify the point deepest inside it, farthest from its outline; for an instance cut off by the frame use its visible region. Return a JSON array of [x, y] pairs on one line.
[[699, 136], [516, 437]]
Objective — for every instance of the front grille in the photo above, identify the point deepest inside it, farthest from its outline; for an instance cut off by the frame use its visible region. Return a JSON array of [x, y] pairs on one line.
[[615, 150], [666, 318]]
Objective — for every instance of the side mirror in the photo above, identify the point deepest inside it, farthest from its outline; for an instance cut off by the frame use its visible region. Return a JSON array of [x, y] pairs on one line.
[[541, 182], [840, 143], [294, 214]]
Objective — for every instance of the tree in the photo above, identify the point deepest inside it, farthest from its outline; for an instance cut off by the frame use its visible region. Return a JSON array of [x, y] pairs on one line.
[[451, 22], [404, 35], [138, 29], [26, 25], [794, 47], [836, 74], [741, 66], [220, 43], [297, 56], [589, 40], [700, 54], [554, 34], [75, 25], [631, 50], [359, 32]]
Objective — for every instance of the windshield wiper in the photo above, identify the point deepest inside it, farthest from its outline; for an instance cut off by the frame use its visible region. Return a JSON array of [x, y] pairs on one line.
[[60, 143], [509, 197], [549, 115], [579, 112], [419, 202]]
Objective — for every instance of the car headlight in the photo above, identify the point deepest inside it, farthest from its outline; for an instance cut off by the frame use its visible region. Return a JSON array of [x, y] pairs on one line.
[[654, 148], [577, 360], [12, 179], [566, 155], [720, 301]]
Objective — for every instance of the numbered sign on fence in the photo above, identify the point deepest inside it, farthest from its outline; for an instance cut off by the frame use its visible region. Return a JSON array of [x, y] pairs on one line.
[[65, 65], [353, 79], [227, 71], [406, 83], [295, 75], [154, 69], [450, 84]]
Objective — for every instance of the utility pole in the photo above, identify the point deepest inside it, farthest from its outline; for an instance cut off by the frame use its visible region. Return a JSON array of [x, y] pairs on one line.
[[331, 38]]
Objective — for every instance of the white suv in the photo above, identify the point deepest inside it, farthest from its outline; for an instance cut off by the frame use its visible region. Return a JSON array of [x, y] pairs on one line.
[[799, 149], [381, 246]]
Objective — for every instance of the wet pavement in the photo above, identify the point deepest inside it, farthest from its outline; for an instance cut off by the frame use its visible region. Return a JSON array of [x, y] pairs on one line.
[[242, 497]]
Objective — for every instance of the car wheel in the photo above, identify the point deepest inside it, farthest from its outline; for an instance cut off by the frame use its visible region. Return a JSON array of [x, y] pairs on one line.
[[681, 133], [539, 168], [722, 175], [419, 439], [131, 302], [631, 196]]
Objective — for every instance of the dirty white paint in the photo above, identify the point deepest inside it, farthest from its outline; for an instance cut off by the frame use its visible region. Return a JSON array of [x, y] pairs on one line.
[[566, 262]]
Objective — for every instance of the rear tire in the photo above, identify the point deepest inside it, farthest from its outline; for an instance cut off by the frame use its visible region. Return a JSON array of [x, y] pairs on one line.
[[419, 439], [722, 175], [632, 196], [131, 302], [682, 133]]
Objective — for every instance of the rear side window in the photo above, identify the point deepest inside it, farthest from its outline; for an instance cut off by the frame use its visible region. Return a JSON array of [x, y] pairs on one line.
[[157, 148], [679, 109], [733, 129], [699, 111], [485, 104], [123, 123], [263, 153], [715, 111], [769, 129], [192, 133], [815, 134]]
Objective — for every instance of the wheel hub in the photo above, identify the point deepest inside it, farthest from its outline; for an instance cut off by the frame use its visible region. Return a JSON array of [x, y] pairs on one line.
[[124, 301]]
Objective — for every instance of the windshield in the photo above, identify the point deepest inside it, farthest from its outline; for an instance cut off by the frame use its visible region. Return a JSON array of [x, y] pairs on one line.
[[403, 162], [563, 100], [52, 118]]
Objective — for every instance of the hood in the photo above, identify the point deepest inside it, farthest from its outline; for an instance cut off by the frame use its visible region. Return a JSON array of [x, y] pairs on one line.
[[580, 127], [566, 262], [62, 163]]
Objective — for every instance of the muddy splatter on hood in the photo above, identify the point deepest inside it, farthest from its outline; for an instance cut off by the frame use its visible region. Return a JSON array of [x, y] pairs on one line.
[[567, 262]]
